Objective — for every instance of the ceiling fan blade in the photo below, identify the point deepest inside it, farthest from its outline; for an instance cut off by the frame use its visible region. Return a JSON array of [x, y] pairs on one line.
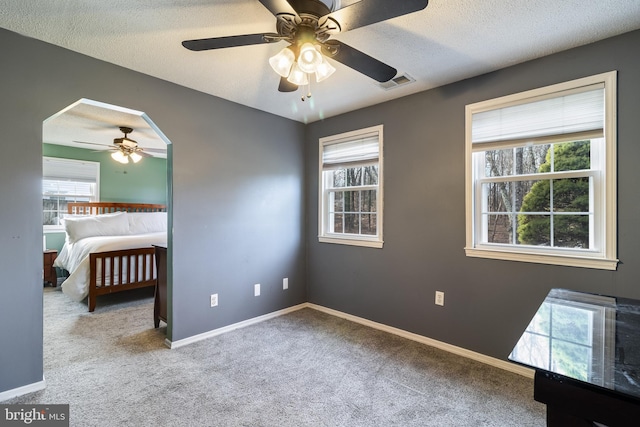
[[286, 86], [279, 7], [155, 150], [230, 41], [358, 61], [142, 153], [366, 12], [92, 143]]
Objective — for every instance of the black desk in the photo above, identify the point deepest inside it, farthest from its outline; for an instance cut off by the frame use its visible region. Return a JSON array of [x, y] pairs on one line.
[[585, 350]]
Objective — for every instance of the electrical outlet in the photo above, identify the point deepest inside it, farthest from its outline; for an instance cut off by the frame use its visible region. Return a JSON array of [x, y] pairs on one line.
[[214, 300], [439, 298], [256, 289], [285, 283]]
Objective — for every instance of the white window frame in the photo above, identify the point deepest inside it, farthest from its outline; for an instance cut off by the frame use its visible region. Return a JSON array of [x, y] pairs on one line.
[[71, 170], [324, 235], [604, 200]]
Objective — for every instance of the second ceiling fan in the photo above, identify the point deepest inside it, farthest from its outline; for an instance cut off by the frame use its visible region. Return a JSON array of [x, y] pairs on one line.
[[125, 148], [307, 26]]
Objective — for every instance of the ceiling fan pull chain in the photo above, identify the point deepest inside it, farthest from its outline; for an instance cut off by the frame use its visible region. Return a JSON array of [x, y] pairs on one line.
[[309, 88]]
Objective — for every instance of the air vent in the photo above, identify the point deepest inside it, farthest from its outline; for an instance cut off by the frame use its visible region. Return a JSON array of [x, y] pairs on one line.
[[401, 80]]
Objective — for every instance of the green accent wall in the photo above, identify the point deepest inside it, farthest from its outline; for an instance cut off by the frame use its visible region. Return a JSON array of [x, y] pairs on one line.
[[55, 240], [142, 182]]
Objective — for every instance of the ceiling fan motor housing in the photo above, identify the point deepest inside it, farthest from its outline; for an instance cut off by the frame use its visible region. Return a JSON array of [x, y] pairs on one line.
[[125, 142], [305, 27], [310, 7]]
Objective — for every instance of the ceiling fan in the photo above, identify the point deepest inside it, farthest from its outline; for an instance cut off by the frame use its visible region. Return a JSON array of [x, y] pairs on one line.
[[125, 148], [307, 26]]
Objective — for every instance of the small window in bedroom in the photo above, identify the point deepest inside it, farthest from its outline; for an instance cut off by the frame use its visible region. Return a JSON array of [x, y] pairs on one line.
[[64, 181], [350, 205], [541, 175]]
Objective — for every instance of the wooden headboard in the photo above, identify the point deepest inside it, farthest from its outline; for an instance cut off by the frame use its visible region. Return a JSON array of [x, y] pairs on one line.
[[97, 208]]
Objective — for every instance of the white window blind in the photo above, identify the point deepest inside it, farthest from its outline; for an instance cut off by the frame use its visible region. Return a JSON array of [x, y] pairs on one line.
[[68, 188], [576, 111], [57, 169], [362, 150]]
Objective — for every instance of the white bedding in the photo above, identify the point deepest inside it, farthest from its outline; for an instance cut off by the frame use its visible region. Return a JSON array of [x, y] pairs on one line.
[[74, 257]]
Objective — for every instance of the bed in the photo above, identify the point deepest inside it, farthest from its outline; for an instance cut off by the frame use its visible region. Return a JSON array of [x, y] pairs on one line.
[[109, 248]]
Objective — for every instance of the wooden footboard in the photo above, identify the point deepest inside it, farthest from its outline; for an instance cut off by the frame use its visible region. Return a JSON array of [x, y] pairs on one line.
[[97, 208], [117, 271]]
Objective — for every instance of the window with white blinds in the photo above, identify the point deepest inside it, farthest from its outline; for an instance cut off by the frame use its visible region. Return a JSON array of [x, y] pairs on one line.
[[350, 196], [64, 181], [343, 153], [541, 175], [570, 112]]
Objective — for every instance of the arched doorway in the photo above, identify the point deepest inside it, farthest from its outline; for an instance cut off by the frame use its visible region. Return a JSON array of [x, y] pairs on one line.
[[85, 132]]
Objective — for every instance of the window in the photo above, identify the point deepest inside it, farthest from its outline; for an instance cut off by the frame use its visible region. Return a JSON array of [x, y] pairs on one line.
[[65, 181], [541, 172], [350, 205]]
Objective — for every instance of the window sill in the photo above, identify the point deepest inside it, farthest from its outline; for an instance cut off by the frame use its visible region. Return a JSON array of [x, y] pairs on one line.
[[351, 241], [539, 258], [53, 229]]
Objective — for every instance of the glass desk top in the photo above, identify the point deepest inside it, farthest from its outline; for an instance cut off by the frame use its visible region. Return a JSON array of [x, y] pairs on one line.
[[590, 338]]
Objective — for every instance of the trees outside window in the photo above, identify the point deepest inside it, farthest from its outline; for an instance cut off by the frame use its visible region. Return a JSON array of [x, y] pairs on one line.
[[523, 211], [354, 209], [570, 201]]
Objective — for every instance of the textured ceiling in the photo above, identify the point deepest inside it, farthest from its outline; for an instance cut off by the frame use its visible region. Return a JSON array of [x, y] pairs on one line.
[[448, 41], [94, 125]]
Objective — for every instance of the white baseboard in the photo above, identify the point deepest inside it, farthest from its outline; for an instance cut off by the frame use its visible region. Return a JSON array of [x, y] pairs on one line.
[[229, 328], [479, 357], [29, 388]]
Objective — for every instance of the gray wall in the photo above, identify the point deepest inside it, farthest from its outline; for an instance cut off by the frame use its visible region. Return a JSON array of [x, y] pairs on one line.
[[242, 181], [488, 303], [238, 208]]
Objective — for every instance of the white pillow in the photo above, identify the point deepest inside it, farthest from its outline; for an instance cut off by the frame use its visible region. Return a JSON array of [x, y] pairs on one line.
[[113, 224], [147, 222]]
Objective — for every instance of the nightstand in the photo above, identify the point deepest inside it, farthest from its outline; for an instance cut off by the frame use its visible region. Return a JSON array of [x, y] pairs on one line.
[[50, 276]]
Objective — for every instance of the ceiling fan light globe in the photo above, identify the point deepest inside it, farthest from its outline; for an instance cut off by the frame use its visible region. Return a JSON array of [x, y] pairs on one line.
[[282, 62], [324, 70], [135, 157], [118, 156], [309, 58], [297, 76]]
